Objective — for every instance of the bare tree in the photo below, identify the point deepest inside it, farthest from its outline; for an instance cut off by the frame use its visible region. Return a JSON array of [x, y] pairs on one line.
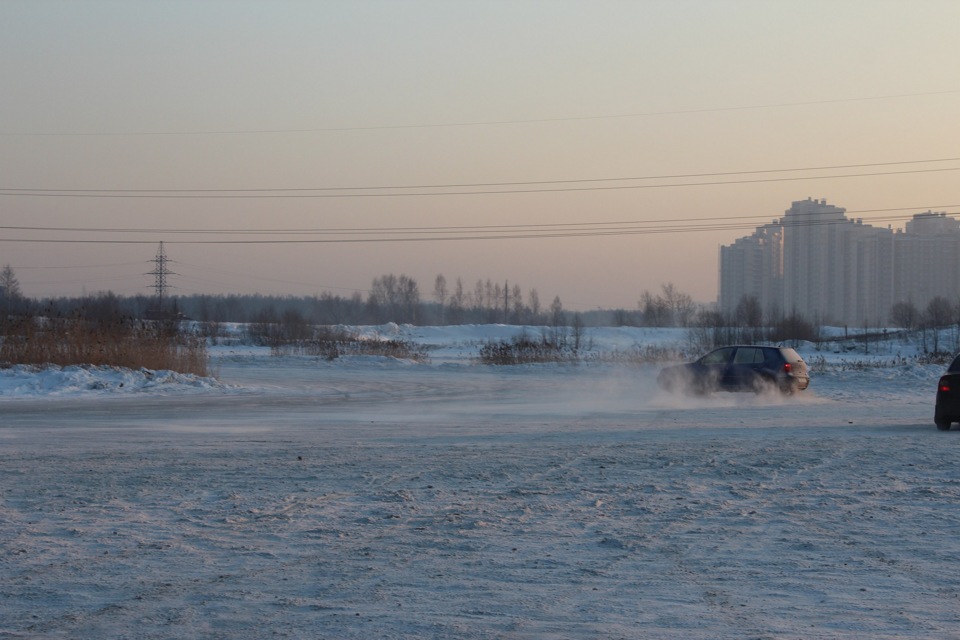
[[749, 318], [578, 331], [905, 315], [440, 294], [496, 298], [670, 308], [457, 302], [516, 303], [558, 323], [395, 299], [382, 297], [654, 309], [440, 291], [748, 312], [710, 329], [680, 304], [9, 285], [939, 313], [534, 303], [478, 296], [409, 299]]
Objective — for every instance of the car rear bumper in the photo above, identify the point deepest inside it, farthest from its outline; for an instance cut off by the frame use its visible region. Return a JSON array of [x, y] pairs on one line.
[[947, 408]]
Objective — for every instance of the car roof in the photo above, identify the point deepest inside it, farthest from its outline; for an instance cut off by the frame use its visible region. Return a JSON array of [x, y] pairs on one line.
[[752, 346]]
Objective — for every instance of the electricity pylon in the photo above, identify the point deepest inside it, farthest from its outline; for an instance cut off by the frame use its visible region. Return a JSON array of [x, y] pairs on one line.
[[160, 273]]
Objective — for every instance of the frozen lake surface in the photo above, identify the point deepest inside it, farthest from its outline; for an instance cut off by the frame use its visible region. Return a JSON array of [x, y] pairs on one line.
[[374, 498]]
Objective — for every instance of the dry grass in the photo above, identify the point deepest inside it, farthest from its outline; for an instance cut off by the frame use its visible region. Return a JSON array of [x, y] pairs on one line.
[[117, 342], [820, 364]]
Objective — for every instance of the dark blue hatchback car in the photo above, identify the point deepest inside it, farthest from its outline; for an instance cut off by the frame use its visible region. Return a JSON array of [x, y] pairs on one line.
[[739, 368], [947, 409]]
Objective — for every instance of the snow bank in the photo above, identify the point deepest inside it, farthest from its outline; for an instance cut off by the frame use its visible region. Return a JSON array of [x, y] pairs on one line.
[[22, 381]]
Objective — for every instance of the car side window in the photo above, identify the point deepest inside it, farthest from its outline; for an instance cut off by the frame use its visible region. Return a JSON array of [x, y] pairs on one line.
[[720, 356], [748, 355]]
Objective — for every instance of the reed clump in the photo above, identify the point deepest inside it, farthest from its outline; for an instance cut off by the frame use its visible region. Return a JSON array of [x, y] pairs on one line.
[[115, 340]]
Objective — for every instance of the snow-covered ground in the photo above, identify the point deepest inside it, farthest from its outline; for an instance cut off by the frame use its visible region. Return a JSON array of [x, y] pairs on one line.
[[375, 498]]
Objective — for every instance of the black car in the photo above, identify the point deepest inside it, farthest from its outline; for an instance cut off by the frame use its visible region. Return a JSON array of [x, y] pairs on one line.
[[948, 397], [740, 368]]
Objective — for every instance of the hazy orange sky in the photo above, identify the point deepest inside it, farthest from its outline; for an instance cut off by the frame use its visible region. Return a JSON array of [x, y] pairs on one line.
[[135, 122]]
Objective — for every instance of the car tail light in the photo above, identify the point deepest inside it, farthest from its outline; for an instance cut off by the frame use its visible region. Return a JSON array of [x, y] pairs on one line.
[[944, 386], [787, 367]]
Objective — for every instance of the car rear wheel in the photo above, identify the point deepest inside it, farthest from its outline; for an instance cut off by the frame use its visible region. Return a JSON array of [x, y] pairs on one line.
[[763, 384], [943, 425]]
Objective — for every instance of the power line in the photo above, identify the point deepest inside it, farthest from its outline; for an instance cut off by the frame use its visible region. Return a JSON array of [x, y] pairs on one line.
[[531, 227], [676, 176], [478, 123], [280, 194], [84, 266], [488, 234]]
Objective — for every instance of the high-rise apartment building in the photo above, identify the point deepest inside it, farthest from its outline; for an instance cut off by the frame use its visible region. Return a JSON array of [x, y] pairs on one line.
[[927, 252], [832, 269], [753, 266]]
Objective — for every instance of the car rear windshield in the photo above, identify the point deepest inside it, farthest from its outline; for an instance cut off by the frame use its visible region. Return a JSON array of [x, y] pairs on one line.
[[790, 355], [954, 366]]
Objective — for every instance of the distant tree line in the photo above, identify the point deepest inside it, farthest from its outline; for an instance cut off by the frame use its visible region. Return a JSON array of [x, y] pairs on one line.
[[399, 299], [391, 298]]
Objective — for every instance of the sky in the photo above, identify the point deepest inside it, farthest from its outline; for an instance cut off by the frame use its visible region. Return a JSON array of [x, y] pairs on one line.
[[588, 150]]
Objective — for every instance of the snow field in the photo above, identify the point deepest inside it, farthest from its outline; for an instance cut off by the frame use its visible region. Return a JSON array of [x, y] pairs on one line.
[[377, 499]]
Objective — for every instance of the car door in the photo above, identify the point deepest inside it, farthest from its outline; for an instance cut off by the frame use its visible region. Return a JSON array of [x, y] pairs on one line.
[[745, 369], [712, 368]]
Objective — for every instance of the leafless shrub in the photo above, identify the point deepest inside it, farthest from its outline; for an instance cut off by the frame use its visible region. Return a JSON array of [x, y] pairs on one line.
[[525, 350], [329, 343]]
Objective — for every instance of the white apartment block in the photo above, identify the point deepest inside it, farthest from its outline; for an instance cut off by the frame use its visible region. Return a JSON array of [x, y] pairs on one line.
[[835, 270]]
